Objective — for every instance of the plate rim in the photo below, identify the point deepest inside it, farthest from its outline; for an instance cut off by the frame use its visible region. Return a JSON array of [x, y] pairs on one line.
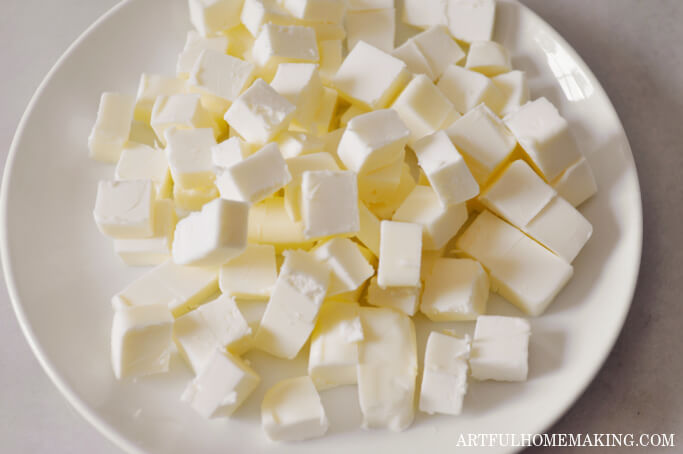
[[118, 439]]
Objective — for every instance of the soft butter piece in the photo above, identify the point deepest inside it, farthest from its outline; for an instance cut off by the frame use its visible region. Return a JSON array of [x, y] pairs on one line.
[[189, 156], [221, 75], [500, 348], [212, 16], [488, 57], [300, 83], [375, 27], [515, 89], [112, 127], [402, 299], [125, 209], [444, 380], [471, 20], [277, 44], [150, 87], [269, 223], [467, 89], [297, 166], [577, 183], [439, 49], [400, 254], [250, 275], [142, 162], [195, 43], [155, 249], [182, 111], [329, 203], [349, 268]]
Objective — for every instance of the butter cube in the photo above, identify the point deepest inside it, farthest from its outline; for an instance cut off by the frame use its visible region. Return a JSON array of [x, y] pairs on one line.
[[125, 209], [213, 235], [297, 166], [400, 253], [180, 288], [142, 162], [380, 184], [439, 223], [193, 199], [445, 169], [256, 13], [229, 152], [277, 44], [387, 369], [316, 10], [369, 232], [370, 76], [515, 90], [251, 274], [522, 198], [325, 115], [141, 340], [216, 325], [330, 51], [300, 84], [545, 136], [455, 290], [294, 304], [444, 380], [471, 20], [184, 111], [484, 141], [152, 86], [350, 269], [439, 49], [253, 311], [373, 140], [269, 223], [156, 249], [402, 299], [112, 127], [221, 75], [221, 386], [500, 348], [425, 13], [375, 27], [189, 156], [293, 144], [351, 112], [422, 107], [409, 52], [213, 16], [292, 411], [367, 5], [194, 45], [386, 207], [141, 134], [329, 203], [521, 270], [467, 89], [488, 57], [577, 183], [259, 113], [334, 345]]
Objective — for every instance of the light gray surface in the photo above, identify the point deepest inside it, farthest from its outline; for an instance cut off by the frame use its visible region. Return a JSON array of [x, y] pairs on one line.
[[634, 48]]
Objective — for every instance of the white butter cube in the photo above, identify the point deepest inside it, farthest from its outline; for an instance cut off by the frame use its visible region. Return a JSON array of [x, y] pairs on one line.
[[400, 253], [142, 162], [293, 144], [300, 84], [180, 288], [259, 113], [422, 107], [375, 27], [282, 44], [189, 156], [216, 325], [184, 111], [500, 348], [467, 89], [522, 198], [484, 141], [439, 49], [577, 183], [213, 16], [324, 117], [521, 270], [373, 140], [369, 229], [471, 20], [334, 345], [221, 386], [412, 56], [329, 203], [193, 199], [387, 369], [545, 136], [445, 169], [439, 223], [294, 304], [150, 87], [229, 152], [141, 340], [251, 274], [370, 77], [155, 249], [141, 134], [222, 75], [515, 90], [367, 5], [488, 57], [455, 290], [351, 112], [269, 223], [256, 13], [444, 380], [297, 166], [387, 206], [425, 13], [253, 311], [331, 55], [112, 127], [316, 10], [349, 267], [402, 299], [380, 184], [259, 175], [125, 209], [195, 43], [292, 411]]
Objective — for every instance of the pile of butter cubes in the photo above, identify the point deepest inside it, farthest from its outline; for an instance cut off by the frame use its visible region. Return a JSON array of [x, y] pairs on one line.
[[303, 182]]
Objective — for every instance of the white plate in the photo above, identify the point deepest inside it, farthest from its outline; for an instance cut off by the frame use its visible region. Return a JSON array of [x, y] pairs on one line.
[[61, 271]]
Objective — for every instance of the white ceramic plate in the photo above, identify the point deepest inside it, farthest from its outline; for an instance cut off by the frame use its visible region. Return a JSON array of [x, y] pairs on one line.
[[61, 272]]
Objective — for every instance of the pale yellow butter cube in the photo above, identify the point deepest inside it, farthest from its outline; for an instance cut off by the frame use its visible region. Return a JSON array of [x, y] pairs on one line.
[[400, 254], [156, 249], [467, 89], [112, 127], [402, 299], [375, 27], [250, 275], [297, 166], [488, 57]]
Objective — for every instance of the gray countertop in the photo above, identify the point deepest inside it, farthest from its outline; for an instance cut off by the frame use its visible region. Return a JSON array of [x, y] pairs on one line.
[[634, 48]]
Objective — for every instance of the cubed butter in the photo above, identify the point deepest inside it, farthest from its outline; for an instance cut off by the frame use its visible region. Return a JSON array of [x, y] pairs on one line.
[[300, 83], [195, 43], [489, 58], [297, 166], [402, 299], [142, 162], [212, 16], [156, 249], [467, 89], [409, 52], [269, 223], [471, 20], [184, 111], [349, 268], [125, 209], [577, 183], [112, 127], [369, 232], [250, 275], [329, 204], [229, 152], [515, 89], [400, 253], [500, 348], [375, 27], [189, 156], [277, 44], [425, 13], [331, 55], [439, 49], [150, 87], [221, 75]]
